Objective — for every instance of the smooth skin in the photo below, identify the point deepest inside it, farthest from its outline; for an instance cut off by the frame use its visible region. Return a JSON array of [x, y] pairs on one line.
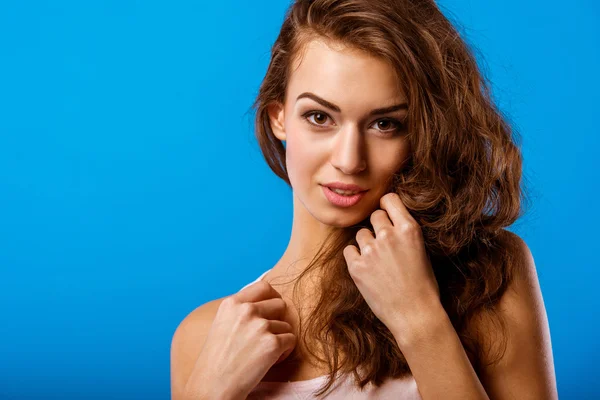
[[332, 135]]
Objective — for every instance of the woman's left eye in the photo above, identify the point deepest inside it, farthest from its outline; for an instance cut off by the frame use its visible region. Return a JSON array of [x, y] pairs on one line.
[[390, 125], [396, 125]]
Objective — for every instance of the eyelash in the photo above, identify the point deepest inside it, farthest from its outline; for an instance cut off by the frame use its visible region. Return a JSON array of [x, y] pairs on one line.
[[399, 125]]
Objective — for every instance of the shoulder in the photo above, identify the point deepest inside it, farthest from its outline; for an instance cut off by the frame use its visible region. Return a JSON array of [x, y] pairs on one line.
[[525, 369], [188, 339]]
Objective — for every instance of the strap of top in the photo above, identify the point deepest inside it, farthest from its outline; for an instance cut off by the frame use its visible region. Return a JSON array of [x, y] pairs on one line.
[[257, 279]]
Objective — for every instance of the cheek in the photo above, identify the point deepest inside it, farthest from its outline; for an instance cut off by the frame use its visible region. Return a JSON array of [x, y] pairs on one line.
[[300, 156], [389, 160]]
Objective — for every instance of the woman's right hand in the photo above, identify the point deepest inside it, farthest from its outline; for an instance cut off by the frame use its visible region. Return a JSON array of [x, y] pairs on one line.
[[247, 337]]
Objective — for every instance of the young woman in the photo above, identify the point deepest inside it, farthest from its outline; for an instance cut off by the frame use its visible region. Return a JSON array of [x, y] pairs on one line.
[[399, 280]]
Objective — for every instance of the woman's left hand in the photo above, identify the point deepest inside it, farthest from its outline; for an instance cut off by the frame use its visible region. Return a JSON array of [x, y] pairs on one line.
[[392, 270]]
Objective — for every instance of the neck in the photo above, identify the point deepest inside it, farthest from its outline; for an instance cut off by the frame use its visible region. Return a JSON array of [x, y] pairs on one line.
[[306, 237]]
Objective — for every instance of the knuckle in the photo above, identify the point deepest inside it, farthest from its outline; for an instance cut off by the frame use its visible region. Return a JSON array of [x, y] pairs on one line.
[[263, 325], [368, 249], [247, 309], [389, 196], [229, 301], [354, 266], [408, 227], [263, 285], [272, 343], [385, 233]]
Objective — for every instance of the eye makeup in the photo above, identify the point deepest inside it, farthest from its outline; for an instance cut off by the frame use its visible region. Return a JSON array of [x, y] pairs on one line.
[[399, 126]]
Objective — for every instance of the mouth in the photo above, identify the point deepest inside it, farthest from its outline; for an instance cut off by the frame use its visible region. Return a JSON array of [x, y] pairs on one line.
[[343, 198], [344, 188], [345, 192]]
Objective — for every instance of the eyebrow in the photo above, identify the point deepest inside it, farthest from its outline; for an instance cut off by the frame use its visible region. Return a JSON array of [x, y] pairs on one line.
[[331, 106]]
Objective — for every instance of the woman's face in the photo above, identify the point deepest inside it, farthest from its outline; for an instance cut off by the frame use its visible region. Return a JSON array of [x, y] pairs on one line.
[[332, 134]]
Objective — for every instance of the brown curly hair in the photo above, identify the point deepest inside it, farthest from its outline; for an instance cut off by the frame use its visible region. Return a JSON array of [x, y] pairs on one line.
[[462, 183]]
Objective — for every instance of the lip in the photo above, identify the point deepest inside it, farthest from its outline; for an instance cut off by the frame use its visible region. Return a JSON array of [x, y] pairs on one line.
[[345, 186], [340, 200]]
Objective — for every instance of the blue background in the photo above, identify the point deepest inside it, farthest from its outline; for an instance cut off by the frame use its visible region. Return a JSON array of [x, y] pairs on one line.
[[132, 190]]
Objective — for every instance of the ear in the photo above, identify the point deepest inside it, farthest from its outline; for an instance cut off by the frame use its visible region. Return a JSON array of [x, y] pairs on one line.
[[276, 118]]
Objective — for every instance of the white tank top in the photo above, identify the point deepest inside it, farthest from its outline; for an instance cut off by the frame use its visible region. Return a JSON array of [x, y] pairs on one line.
[[343, 389]]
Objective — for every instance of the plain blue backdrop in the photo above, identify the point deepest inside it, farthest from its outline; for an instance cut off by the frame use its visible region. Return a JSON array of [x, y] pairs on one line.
[[132, 190]]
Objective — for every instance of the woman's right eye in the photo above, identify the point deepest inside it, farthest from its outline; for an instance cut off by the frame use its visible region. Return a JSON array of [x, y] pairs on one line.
[[319, 117]]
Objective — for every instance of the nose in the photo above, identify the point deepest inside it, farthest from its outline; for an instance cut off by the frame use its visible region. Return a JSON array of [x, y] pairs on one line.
[[348, 153]]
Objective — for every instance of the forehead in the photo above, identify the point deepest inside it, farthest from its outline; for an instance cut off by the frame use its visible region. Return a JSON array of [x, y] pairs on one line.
[[349, 77]]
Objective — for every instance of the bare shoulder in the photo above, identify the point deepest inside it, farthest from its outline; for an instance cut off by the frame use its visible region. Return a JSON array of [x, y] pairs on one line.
[[525, 369], [187, 341]]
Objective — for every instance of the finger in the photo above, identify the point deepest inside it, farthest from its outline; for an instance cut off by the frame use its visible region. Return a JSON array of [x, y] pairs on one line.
[[287, 341], [271, 308], [257, 291], [380, 219], [395, 208], [363, 237], [279, 327], [351, 253]]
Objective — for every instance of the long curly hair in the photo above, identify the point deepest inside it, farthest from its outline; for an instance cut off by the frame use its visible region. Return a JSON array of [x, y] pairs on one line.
[[462, 182]]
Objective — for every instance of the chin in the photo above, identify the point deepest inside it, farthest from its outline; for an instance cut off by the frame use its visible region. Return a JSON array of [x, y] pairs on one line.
[[340, 218]]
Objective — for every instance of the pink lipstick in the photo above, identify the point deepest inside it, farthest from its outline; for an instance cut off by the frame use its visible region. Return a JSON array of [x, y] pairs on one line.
[[341, 200]]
